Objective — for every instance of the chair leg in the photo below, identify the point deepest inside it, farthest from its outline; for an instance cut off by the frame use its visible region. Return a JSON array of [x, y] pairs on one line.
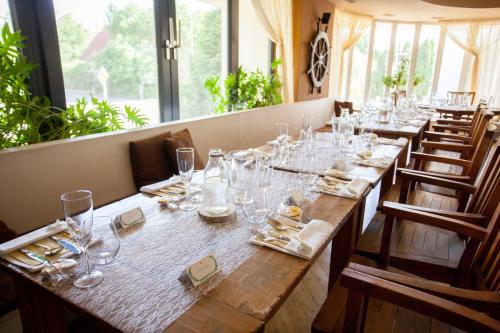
[[404, 190], [355, 312], [385, 243]]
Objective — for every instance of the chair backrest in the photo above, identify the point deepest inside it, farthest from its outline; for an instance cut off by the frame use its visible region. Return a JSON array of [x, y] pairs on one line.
[[487, 194], [453, 96], [487, 260], [339, 105], [482, 142], [476, 119]]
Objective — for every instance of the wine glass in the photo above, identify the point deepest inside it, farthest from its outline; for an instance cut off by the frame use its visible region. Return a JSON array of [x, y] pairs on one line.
[[185, 163], [282, 132], [78, 210], [107, 241]]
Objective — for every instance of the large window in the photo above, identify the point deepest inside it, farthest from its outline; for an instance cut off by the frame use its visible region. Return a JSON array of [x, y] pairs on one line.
[[380, 58], [203, 52], [108, 49], [403, 46], [392, 44], [154, 55], [358, 73], [426, 58], [5, 13], [449, 77]]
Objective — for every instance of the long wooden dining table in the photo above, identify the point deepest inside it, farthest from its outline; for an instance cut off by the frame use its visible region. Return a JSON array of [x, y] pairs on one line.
[[414, 134], [141, 291]]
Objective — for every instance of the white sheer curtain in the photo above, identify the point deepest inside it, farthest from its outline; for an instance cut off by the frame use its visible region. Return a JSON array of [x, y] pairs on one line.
[[276, 18], [348, 28], [477, 37]]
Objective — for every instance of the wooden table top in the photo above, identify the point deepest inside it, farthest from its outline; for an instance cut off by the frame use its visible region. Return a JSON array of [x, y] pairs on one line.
[[138, 288]]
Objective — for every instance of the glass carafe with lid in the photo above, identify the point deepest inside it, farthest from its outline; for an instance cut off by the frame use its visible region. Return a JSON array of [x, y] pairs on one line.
[[216, 184]]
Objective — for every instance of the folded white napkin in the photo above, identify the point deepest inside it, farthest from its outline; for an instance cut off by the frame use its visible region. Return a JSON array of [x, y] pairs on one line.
[[33, 236], [399, 142], [164, 183], [337, 174], [273, 143], [315, 234], [377, 162], [353, 189]]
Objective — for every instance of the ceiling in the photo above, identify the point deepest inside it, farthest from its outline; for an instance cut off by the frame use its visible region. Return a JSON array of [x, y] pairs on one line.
[[421, 11]]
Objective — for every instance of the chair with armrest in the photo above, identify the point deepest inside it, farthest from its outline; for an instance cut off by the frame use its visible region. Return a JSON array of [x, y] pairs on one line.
[[474, 306], [418, 229], [429, 302], [465, 127], [471, 157], [460, 132]]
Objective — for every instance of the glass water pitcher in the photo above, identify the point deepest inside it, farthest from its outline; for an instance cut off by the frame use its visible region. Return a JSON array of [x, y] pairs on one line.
[[216, 184]]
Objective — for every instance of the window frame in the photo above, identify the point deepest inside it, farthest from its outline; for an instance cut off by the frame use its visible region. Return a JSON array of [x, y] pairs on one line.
[[390, 58], [37, 20]]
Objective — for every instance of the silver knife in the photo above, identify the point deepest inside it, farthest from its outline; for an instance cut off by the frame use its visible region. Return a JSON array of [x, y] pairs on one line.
[[37, 257], [67, 245]]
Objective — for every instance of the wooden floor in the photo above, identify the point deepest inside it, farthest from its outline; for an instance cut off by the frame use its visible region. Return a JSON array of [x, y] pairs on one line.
[[298, 311]]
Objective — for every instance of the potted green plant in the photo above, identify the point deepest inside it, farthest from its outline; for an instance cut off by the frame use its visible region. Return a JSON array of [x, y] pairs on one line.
[[26, 119], [397, 82], [245, 89]]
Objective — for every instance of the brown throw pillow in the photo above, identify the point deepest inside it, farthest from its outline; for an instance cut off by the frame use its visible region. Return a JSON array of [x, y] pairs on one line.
[[149, 163], [180, 139]]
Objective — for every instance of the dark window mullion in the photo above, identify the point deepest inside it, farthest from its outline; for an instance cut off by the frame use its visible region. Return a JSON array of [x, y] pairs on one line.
[[36, 20], [164, 65], [174, 63]]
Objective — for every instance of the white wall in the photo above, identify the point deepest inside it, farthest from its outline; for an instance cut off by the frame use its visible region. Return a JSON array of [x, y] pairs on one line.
[[33, 177]]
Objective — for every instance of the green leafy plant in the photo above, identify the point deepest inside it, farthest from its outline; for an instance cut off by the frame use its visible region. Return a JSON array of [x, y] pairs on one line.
[[26, 119], [398, 80], [245, 90]]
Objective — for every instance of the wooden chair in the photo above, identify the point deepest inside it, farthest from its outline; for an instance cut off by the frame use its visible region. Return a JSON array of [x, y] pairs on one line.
[[417, 300], [406, 290], [419, 229], [452, 97], [456, 126], [469, 154], [339, 105]]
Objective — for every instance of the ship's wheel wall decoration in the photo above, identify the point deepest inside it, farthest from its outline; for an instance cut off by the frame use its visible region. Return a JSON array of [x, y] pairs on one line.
[[319, 53]]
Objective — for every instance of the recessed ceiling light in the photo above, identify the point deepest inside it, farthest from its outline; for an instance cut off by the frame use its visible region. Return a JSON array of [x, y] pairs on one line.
[[437, 17], [388, 14]]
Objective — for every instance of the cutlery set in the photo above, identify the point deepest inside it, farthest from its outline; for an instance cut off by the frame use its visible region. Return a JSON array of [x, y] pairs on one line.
[[50, 251]]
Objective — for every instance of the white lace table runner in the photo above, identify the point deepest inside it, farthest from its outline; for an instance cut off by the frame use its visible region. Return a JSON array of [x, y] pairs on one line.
[[143, 290], [327, 156]]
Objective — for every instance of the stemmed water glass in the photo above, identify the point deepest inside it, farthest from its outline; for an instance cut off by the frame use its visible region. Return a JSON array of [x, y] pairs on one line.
[[185, 163], [310, 158], [78, 210], [306, 129], [107, 241], [282, 137]]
